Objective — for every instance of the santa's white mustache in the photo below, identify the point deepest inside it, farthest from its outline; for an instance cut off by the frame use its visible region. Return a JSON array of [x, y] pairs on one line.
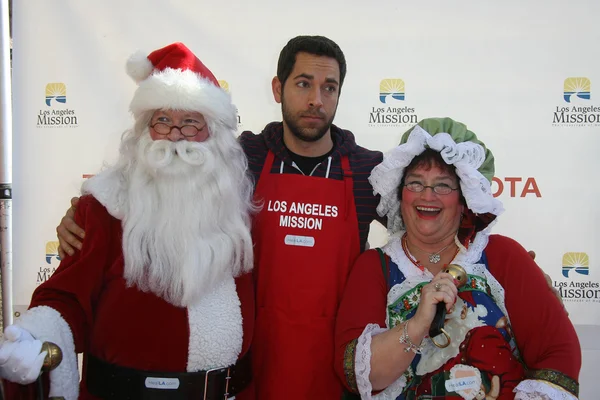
[[159, 154]]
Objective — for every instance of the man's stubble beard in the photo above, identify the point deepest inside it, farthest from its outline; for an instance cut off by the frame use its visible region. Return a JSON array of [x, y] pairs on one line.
[[303, 134]]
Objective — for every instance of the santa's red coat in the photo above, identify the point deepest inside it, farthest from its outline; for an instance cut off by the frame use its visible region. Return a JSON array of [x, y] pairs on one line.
[[116, 323]]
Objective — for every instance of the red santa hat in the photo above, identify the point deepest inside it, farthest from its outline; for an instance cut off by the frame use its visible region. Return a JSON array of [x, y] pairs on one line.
[[174, 78]]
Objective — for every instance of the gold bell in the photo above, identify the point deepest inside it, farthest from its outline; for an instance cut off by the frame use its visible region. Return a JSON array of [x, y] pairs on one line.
[[457, 273], [53, 357]]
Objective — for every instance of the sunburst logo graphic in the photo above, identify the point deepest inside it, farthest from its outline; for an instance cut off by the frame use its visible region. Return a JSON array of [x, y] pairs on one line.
[[579, 87], [224, 85], [51, 252], [56, 91], [391, 87], [580, 262]]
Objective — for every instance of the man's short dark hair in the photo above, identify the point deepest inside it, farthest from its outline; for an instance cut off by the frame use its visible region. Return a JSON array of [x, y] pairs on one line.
[[315, 45]]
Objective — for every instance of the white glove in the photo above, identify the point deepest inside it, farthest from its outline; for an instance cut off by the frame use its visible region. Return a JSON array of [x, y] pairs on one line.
[[20, 358]]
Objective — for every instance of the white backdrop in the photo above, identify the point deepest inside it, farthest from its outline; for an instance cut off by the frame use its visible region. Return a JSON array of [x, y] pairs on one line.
[[507, 69]]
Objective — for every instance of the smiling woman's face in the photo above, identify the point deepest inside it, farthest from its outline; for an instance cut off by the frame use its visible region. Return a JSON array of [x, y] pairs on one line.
[[430, 217]]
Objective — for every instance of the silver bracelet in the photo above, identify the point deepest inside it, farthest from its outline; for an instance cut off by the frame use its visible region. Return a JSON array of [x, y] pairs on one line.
[[405, 340]]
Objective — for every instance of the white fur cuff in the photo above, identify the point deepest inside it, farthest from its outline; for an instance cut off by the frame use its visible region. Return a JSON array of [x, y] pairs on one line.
[[46, 324]]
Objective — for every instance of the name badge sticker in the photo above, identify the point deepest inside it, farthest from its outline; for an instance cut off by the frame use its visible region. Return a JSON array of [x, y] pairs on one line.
[[162, 383], [295, 240], [465, 380]]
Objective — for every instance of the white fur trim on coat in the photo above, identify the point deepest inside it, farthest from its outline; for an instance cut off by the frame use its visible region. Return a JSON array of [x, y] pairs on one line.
[[109, 188], [46, 324], [215, 329], [184, 90]]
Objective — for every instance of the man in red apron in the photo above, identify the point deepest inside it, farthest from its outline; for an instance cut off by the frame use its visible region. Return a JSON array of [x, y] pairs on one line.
[[317, 207]]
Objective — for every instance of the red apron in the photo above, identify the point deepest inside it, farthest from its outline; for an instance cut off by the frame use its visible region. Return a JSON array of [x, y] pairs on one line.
[[306, 239]]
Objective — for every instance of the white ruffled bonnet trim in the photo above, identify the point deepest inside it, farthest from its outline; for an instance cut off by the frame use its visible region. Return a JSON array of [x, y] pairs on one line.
[[467, 157]]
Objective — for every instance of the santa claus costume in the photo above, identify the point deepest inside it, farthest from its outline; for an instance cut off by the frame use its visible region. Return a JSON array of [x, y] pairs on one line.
[[159, 300]]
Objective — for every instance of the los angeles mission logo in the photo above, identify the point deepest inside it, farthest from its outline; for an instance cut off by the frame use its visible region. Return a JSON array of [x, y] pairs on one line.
[[302, 215]]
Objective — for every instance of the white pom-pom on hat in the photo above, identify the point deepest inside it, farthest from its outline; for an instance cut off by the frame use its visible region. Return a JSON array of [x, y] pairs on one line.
[[139, 67]]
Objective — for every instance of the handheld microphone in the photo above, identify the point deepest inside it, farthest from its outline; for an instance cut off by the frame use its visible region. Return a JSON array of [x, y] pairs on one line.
[[437, 325]]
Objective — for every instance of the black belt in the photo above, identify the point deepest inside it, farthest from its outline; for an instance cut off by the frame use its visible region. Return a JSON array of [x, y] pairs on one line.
[[109, 381]]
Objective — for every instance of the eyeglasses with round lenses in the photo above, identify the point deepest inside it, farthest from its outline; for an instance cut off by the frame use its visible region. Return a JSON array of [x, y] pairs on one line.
[[440, 188], [186, 130]]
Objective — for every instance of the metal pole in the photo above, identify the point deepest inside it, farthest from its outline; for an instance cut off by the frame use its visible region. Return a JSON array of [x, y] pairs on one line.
[[5, 165]]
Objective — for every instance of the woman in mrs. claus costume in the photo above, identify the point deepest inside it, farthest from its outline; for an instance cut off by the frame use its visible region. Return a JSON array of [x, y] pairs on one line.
[[506, 335]]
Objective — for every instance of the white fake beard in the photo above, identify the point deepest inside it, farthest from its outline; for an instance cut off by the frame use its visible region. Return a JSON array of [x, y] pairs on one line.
[[187, 224]]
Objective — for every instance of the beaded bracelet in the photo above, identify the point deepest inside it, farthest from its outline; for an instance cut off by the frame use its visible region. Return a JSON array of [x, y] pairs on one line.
[[405, 340]]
